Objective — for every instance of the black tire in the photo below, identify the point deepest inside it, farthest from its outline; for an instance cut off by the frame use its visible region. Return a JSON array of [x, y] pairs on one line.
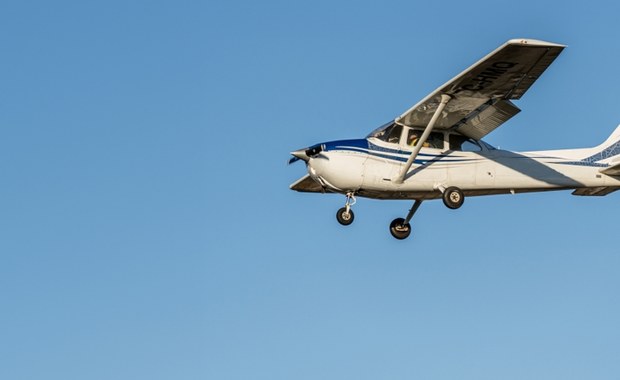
[[345, 218], [399, 229], [453, 198]]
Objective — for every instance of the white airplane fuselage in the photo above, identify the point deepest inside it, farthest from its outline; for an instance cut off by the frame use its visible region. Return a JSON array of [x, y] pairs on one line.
[[369, 167], [433, 149]]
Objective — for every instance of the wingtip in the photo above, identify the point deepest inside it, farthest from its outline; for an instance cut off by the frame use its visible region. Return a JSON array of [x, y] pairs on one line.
[[533, 42]]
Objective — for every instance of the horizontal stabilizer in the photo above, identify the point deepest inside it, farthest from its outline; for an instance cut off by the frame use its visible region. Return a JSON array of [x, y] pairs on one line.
[[307, 185], [612, 170], [595, 191]]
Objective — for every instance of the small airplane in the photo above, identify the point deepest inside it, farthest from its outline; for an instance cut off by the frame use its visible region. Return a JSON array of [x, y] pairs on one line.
[[434, 149]]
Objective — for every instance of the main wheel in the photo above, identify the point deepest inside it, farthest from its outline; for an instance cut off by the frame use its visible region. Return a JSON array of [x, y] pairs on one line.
[[345, 218], [399, 229], [453, 198]]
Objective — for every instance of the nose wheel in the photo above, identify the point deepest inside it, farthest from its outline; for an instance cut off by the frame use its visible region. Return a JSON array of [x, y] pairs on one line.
[[345, 215]]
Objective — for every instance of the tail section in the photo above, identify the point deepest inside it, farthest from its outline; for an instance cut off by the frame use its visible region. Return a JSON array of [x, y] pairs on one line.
[[606, 155], [613, 138], [611, 153], [613, 170], [608, 152]]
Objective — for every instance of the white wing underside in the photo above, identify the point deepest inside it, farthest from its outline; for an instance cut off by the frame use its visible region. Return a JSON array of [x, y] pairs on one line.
[[482, 94], [307, 185]]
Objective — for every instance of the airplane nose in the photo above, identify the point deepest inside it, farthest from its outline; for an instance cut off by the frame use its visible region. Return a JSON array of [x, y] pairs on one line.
[[306, 153], [300, 155]]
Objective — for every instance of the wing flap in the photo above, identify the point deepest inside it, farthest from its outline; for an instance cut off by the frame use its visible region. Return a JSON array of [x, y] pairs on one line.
[[488, 117]]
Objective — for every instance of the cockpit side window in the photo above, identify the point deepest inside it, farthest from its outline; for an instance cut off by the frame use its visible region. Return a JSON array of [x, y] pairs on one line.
[[435, 139], [394, 136], [463, 144]]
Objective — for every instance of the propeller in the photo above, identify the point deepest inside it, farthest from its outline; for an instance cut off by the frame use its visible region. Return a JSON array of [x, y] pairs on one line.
[[306, 153]]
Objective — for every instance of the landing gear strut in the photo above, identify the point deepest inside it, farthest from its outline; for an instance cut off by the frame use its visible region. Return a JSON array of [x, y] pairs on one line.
[[400, 228], [345, 215]]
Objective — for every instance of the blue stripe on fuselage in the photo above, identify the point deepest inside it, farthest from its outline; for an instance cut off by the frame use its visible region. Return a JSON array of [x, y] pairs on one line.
[[610, 151], [364, 146]]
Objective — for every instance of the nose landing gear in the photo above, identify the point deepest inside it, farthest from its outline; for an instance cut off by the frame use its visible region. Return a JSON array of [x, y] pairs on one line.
[[345, 215]]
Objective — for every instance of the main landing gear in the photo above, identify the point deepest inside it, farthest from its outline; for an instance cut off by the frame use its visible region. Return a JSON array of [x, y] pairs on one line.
[[400, 228], [453, 197]]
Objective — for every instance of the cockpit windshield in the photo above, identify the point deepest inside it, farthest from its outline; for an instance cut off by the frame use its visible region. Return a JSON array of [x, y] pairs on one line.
[[380, 129], [389, 132]]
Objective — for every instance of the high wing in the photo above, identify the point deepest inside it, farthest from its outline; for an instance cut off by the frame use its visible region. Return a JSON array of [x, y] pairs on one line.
[[480, 95], [307, 185]]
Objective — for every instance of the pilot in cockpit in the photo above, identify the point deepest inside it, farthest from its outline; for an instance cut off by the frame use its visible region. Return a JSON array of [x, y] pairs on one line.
[[413, 139]]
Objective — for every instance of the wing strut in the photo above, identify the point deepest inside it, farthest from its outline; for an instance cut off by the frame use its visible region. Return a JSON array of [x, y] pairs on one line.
[[427, 131]]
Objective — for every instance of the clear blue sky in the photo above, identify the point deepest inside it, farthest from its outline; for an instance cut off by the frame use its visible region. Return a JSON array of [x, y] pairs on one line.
[[147, 230]]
